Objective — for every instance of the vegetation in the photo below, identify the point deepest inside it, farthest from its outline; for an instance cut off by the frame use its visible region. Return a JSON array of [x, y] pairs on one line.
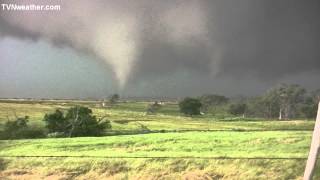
[[212, 101], [114, 98], [153, 108], [125, 116], [266, 144], [78, 121], [160, 143], [178, 152], [238, 109], [190, 106], [19, 129], [152, 168], [170, 141]]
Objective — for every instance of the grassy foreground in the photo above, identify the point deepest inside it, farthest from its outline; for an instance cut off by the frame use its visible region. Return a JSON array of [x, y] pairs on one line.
[[273, 150], [170, 156], [153, 168], [272, 144]]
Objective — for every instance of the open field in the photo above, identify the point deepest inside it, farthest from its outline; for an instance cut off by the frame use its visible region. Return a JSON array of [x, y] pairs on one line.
[[176, 147], [131, 117], [273, 144]]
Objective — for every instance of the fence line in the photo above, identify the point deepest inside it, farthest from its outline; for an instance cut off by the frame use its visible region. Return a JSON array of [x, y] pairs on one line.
[[213, 130], [133, 132], [164, 157]]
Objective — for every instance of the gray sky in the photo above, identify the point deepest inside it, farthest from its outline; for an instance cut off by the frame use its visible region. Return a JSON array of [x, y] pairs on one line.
[[176, 48]]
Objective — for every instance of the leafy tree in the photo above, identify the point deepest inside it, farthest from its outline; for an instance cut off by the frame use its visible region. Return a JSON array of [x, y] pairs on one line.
[[315, 95], [190, 106], [83, 123], [212, 101], [56, 122], [271, 103], [78, 121], [310, 110], [238, 109], [289, 96], [310, 105], [114, 98], [257, 107], [286, 98]]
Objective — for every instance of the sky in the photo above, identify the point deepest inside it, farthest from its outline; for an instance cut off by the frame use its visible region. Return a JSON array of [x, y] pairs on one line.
[[150, 48]]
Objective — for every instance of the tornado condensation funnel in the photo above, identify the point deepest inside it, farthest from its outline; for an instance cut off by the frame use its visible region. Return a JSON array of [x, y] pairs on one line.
[[314, 149]]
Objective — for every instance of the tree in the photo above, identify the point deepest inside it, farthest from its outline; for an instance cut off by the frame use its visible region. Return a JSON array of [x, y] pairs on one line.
[[310, 110], [286, 98], [310, 105], [190, 106], [315, 95], [238, 109], [114, 98], [271, 103], [56, 122], [212, 101], [78, 121], [257, 107], [83, 123], [289, 96]]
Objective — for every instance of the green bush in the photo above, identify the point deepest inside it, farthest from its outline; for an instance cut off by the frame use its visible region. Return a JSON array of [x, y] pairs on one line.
[[19, 129], [56, 122], [78, 121]]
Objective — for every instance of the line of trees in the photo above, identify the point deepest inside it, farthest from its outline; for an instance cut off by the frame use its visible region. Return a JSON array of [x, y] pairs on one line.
[[285, 101]]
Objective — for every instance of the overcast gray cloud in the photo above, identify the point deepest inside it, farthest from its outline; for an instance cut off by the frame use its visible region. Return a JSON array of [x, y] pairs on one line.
[[176, 48]]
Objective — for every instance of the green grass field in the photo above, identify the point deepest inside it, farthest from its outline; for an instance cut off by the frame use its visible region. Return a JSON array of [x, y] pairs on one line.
[[173, 146]]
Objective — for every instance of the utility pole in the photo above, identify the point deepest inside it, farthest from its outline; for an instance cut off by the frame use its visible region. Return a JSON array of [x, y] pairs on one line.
[[314, 150]]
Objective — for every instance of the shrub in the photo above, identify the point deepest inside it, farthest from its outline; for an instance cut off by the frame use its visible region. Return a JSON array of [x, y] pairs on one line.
[[153, 108], [78, 121], [19, 129]]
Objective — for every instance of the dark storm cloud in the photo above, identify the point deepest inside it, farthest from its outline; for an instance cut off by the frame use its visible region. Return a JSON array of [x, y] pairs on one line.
[[218, 43], [266, 38], [270, 39], [6, 29], [158, 57]]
